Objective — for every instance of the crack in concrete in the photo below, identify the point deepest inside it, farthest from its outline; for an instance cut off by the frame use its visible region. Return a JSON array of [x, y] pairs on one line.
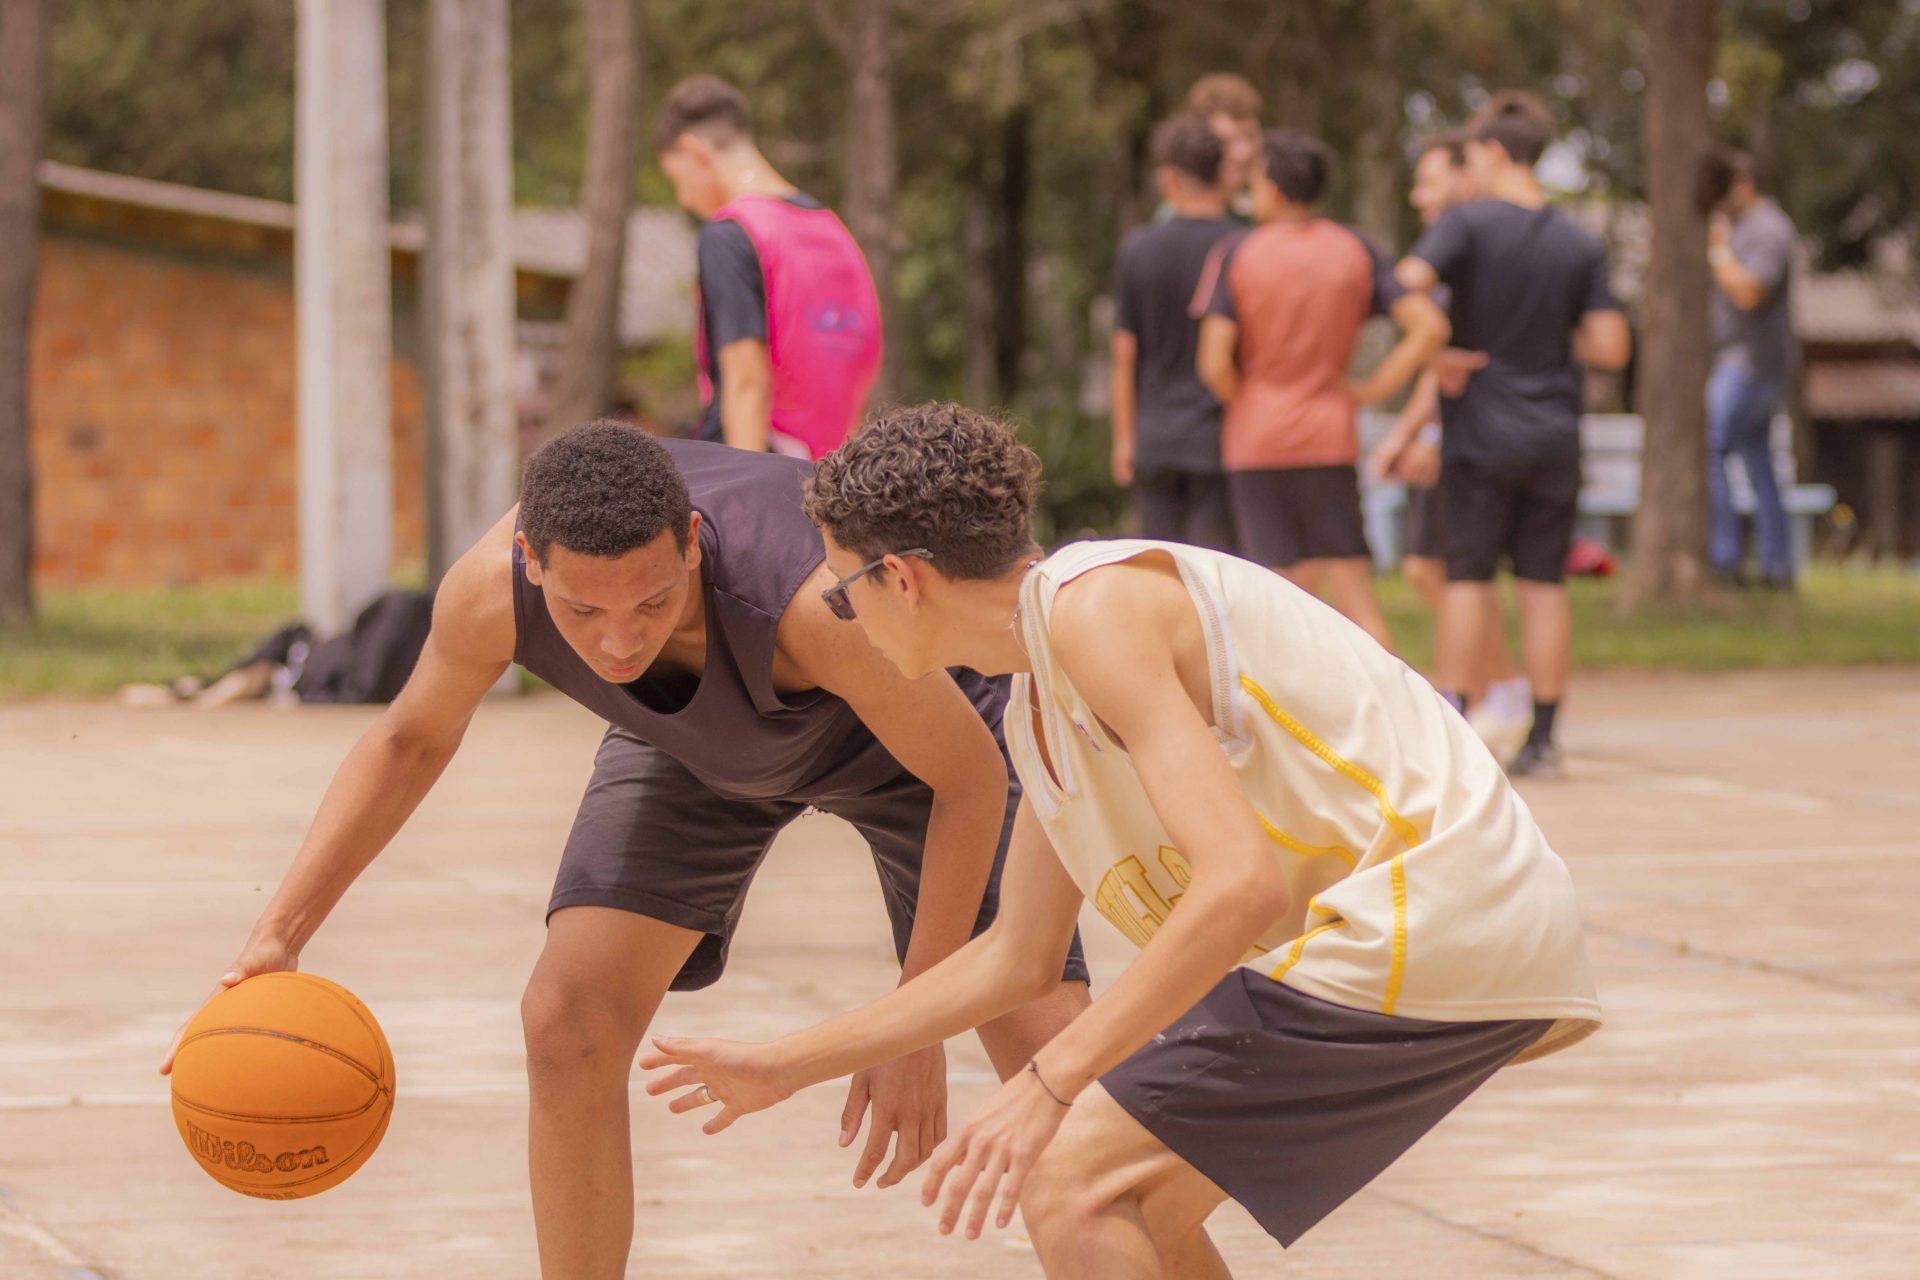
[[1487, 1233], [15, 1223], [1687, 951]]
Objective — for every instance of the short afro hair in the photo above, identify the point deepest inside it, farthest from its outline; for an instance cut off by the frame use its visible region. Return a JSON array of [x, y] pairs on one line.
[[602, 488], [1299, 164], [938, 476]]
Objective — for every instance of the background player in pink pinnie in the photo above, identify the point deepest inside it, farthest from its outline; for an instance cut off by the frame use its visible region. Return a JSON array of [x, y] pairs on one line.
[[788, 334]]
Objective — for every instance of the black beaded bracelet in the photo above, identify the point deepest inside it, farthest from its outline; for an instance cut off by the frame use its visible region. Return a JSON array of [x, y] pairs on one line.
[[1035, 1068]]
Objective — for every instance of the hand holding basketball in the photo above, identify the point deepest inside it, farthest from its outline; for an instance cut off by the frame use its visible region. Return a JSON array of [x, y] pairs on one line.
[[260, 955], [743, 1078]]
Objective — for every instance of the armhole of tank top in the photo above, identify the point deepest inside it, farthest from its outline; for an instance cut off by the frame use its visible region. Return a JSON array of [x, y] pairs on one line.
[[516, 588], [1223, 660], [1021, 741], [1057, 779]]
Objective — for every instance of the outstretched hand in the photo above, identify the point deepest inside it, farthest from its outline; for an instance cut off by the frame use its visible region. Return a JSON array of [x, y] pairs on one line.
[[741, 1078]]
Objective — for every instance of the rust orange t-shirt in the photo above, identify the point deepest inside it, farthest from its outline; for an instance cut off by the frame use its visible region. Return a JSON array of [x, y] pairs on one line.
[[1300, 292]]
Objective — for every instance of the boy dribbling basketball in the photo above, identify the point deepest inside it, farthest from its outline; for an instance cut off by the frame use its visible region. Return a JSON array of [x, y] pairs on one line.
[[1348, 920]]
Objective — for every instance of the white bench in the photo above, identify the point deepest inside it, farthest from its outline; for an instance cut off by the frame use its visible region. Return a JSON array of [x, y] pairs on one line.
[[1610, 485]]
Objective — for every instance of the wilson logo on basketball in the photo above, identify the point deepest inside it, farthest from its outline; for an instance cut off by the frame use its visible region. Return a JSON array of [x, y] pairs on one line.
[[242, 1157]]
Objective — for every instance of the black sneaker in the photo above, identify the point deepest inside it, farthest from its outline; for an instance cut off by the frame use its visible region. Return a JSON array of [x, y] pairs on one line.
[[1535, 761]]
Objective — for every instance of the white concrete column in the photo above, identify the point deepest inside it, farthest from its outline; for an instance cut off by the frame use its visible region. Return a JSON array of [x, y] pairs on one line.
[[468, 342], [345, 310]]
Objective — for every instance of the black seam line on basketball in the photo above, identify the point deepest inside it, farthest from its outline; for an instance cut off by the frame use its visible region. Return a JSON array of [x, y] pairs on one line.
[[191, 1105], [361, 1013], [288, 1036]]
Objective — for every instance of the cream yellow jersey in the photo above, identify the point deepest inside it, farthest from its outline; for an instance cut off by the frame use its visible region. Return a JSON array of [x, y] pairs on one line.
[[1421, 885]]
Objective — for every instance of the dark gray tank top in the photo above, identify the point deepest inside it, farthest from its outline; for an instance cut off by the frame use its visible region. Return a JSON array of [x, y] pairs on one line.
[[730, 727]]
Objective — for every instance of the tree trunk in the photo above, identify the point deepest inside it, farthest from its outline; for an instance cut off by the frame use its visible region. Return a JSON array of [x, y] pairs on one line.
[[1010, 256], [593, 304], [344, 303], [468, 298], [23, 49], [1378, 189], [1670, 526], [873, 163]]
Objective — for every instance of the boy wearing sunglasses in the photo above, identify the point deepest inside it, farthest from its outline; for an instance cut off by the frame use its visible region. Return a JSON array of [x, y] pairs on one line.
[[1347, 920], [678, 590]]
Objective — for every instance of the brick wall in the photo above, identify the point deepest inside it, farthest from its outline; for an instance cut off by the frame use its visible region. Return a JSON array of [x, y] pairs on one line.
[[163, 419]]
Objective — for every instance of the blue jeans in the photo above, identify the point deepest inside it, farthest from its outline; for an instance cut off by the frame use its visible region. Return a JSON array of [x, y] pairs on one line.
[[1740, 409]]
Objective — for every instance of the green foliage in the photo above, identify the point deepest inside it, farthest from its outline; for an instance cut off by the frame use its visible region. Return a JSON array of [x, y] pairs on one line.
[[201, 91]]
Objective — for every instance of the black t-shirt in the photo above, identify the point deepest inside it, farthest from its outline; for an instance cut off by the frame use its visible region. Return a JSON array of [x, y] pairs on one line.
[[1177, 420], [1520, 279], [733, 296]]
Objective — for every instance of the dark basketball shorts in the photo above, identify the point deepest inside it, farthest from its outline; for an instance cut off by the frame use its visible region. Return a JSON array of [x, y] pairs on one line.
[[1290, 1104], [1422, 529], [1524, 514], [1282, 517], [1184, 506], [652, 839]]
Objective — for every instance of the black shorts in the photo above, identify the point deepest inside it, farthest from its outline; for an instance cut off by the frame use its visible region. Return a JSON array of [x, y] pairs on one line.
[[1290, 1104], [1299, 513], [1184, 506], [652, 839], [1524, 514], [1422, 531]]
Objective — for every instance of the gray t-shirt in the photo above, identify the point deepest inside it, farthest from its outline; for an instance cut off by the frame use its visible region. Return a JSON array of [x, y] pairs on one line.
[[1760, 340]]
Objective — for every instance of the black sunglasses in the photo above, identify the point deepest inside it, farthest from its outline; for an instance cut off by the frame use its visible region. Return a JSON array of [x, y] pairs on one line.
[[836, 595]]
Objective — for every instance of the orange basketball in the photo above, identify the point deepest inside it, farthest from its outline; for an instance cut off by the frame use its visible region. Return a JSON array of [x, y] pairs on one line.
[[282, 1086]]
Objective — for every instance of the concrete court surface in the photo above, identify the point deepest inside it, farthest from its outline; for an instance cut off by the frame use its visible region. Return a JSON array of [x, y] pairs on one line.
[[1744, 846]]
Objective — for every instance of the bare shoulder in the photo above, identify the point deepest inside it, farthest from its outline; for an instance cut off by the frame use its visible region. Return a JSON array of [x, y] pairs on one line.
[[473, 609], [1138, 599]]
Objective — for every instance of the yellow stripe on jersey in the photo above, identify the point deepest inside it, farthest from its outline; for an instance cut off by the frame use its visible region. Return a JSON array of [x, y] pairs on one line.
[[1340, 764], [1407, 832], [1304, 849], [1299, 945]]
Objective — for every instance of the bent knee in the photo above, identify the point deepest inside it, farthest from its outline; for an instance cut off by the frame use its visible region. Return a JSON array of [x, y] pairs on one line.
[[1065, 1191], [570, 1027]]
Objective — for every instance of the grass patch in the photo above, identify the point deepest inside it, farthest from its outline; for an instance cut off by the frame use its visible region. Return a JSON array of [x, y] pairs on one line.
[[93, 641], [1839, 617], [90, 642]]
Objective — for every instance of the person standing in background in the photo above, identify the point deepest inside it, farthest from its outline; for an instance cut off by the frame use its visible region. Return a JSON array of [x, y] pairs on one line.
[[1283, 312], [1531, 304], [1499, 700], [1231, 107], [1750, 251], [788, 329], [1166, 423]]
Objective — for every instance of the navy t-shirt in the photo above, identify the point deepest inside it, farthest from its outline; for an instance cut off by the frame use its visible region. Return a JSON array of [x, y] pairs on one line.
[[1177, 420], [733, 296], [1521, 279]]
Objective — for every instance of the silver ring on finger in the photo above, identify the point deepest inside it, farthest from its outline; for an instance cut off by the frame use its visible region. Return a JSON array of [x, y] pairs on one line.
[[706, 1096]]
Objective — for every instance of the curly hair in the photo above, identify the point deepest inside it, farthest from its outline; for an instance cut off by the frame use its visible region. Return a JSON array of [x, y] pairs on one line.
[[938, 476], [602, 488]]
